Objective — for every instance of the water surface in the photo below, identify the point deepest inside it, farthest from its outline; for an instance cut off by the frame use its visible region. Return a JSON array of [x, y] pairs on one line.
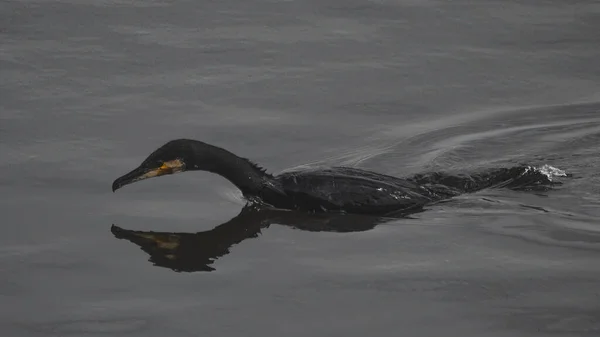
[[90, 88]]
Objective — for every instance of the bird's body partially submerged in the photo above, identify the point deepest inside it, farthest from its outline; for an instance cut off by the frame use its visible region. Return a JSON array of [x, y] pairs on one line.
[[339, 189], [350, 190]]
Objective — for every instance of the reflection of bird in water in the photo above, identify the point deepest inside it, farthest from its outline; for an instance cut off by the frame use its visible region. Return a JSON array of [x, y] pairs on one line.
[[337, 189], [189, 252]]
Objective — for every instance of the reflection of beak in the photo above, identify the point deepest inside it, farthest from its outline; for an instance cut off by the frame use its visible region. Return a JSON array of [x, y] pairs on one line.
[[140, 173], [163, 241]]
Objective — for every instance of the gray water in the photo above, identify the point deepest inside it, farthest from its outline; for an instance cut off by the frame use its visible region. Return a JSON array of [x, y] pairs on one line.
[[90, 88]]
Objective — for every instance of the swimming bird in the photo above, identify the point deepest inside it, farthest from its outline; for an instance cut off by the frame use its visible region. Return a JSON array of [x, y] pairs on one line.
[[333, 189]]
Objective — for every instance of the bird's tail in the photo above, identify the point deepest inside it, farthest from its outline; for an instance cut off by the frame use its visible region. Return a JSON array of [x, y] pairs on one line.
[[523, 177]]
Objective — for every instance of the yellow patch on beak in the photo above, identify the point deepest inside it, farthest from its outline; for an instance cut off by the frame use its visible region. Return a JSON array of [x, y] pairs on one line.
[[168, 167], [173, 165]]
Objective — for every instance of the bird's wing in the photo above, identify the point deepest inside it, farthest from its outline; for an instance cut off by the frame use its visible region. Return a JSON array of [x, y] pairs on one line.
[[351, 190]]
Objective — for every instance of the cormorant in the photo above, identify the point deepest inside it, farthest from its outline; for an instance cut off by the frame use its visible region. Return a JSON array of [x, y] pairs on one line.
[[338, 189]]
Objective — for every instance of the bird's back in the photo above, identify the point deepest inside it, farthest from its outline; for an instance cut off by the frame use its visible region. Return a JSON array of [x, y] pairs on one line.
[[350, 190]]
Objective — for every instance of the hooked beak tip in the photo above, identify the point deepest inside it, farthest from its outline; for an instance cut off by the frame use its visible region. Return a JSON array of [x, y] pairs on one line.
[[126, 179], [116, 185]]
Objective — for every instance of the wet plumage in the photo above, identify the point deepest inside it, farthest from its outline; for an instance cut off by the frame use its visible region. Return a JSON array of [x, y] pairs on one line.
[[339, 189]]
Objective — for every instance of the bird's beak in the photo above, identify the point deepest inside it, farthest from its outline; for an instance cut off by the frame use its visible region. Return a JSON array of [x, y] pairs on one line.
[[142, 173]]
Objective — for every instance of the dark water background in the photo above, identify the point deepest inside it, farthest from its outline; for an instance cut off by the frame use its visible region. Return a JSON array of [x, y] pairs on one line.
[[89, 88]]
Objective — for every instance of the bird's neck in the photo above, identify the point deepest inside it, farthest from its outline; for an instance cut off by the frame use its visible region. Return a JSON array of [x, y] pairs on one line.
[[241, 172]]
